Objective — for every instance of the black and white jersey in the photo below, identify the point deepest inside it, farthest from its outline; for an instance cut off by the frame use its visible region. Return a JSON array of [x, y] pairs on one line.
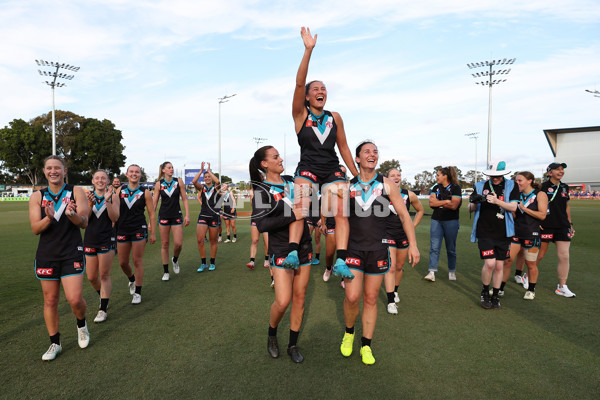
[[317, 139], [526, 226], [369, 212], [100, 231], [558, 196], [169, 199], [131, 211], [210, 196]]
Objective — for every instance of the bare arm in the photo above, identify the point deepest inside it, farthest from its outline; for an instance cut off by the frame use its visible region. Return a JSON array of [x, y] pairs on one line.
[[78, 210], [38, 224], [414, 200], [112, 204], [157, 197], [342, 144], [493, 199], [186, 205], [299, 111], [407, 224], [435, 203], [197, 177], [152, 223]]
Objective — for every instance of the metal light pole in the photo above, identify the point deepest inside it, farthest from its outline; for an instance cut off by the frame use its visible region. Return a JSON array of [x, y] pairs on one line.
[[489, 74], [594, 92], [259, 140], [56, 75], [222, 100], [474, 135]]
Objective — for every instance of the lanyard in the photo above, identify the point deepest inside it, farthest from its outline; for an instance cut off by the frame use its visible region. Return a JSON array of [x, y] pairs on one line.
[[446, 188], [555, 192]]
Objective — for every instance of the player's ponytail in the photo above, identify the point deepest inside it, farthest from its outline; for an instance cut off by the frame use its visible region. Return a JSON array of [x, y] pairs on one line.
[[160, 172], [257, 172]]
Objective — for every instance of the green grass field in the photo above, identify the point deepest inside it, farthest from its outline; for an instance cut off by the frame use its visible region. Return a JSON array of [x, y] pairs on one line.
[[203, 335]]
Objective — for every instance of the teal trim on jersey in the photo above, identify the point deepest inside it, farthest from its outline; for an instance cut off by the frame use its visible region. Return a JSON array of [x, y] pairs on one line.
[[322, 126], [366, 194], [59, 192]]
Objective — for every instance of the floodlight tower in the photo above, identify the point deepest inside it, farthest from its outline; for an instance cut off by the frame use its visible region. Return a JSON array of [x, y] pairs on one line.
[[490, 75], [259, 140], [54, 84], [474, 135], [594, 92], [222, 100]]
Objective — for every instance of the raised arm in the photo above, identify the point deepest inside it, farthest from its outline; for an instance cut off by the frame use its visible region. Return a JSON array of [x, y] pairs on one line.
[[298, 109], [197, 177]]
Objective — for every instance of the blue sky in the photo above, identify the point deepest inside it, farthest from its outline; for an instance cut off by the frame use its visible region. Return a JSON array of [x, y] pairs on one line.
[[395, 70]]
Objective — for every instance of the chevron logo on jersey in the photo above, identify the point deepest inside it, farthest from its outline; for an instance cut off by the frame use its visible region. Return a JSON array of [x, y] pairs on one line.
[[365, 195], [131, 197], [321, 129], [59, 202], [169, 187], [99, 206], [209, 191], [285, 193]]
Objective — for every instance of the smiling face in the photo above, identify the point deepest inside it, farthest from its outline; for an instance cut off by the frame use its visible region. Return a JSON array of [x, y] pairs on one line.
[[133, 174], [496, 180], [100, 180], [316, 95], [273, 163], [557, 173], [524, 183], [368, 156], [440, 178], [395, 176], [168, 170], [55, 171], [116, 183], [207, 179]]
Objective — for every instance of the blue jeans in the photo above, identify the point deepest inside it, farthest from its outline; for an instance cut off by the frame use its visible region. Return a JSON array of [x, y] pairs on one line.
[[447, 230]]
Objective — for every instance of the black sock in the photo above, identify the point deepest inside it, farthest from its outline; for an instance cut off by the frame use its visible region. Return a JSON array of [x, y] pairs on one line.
[[502, 285], [495, 292], [212, 260], [350, 330], [132, 278], [55, 338], [204, 260], [390, 297], [80, 322], [138, 289], [272, 331], [293, 246], [266, 258], [318, 255], [293, 338], [98, 292], [531, 287], [396, 288], [104, 304], [365, 342], [228, 237], [485, 288], [518, 272], [342, 254], [175, 259], [329, 267], [235, 235], [252, 259], [166, 268]]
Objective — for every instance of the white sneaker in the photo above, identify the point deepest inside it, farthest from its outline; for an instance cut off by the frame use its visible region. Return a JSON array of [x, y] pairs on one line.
[[220, 239], [227, 241], [272, 283], [101, 317], [519, 279], [175, 266], [525, 281], [342, 284], [266, 264], [165, 276], [392, 308], [234, 240], [430, 276], [529, 295], [396, 297], [452, 276], [137, 298], [564, 291], [52, 352], [83, 336], [131, 288], [327, 274]]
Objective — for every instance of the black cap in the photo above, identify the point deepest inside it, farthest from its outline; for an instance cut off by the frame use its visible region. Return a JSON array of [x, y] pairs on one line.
[[555, 165]]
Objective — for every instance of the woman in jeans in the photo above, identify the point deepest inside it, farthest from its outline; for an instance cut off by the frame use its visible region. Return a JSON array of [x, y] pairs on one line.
[[445, 200]]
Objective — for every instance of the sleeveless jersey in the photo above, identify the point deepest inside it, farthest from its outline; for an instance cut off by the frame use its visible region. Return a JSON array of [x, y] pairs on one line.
[[210, 201], [317, 139], [131, 214], [393, 223], [369, 212], [526, 226], [558, 196], [272, 209], [169, 199], [61, 240], [227, 199], [99, 231]]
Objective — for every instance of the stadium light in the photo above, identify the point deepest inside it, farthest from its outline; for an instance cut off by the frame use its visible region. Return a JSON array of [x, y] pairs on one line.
[[54, 84], [474, 135], [259, 140], [222, 100], [594, 92], [490, 75]]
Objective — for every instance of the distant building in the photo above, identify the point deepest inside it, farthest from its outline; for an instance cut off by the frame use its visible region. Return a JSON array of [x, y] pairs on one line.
[[579, 148]]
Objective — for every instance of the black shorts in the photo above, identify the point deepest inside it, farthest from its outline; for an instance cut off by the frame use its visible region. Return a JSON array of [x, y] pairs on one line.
[[330, 225], [313, 221], [318, 176], [55, 270], [141, 234], [305, 256], [373, 262], [213, 221], [229, 216], [494, 248], [527, 243], [397, 240], [556, 235], [94, 251], [170, 221]]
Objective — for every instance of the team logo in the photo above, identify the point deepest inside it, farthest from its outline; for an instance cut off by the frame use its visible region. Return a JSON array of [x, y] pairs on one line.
[[280, 261], [310, 256], [309, 174], [201, 221], [550, 190], [388, 241], [163, 221], [139, 235], [381, 264], [486, 192], [547, 236], [44, 271], [90, 250], [339, 174], [330, 231], [486, 253], [352, 261], [121, 237], [77, 265]]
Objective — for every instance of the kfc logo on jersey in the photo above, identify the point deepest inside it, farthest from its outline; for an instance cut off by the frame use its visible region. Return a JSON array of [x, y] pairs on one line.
[[486, 253], [548, 236], [121, 237], [388, 241], [352, 261], [90, 250], [279, 261], [44, 271], [163, 221], [308, 174]]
